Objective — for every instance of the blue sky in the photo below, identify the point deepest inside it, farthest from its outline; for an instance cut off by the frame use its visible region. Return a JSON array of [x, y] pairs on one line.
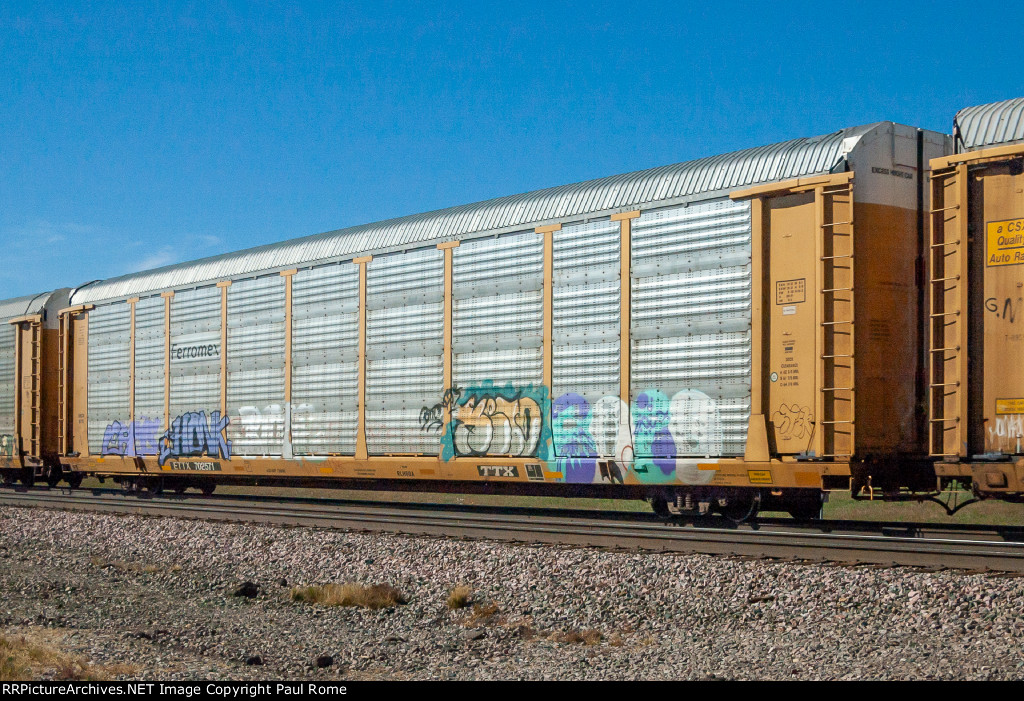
[[134, 135]]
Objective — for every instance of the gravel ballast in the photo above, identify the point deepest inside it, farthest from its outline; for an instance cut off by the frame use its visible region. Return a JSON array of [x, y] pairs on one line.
[[184, 599]]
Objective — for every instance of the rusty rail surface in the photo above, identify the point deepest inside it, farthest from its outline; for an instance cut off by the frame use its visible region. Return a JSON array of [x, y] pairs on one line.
[[978, 548]]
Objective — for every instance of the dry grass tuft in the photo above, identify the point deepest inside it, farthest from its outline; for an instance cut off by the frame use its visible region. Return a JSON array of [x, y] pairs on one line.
[[460, 598], [22, 659], [587, 636], [526, 632], [483, 614], [13, 666], [374, 596]]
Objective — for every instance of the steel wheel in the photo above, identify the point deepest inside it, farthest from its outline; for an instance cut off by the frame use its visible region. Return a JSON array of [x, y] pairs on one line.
[[806, 510], [660, 506], [75, 480], [742, 506]]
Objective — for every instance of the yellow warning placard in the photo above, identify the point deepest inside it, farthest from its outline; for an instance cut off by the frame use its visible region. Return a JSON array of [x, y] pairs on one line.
[[1010, 406], [759, 476], [1005, 240]]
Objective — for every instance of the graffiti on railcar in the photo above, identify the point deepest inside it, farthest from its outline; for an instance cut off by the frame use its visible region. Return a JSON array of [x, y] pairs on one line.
[[695, 423], [193, 433], [792, 421], [589, 441], [574, 443], [264, 425], [610, 427], [432, 417], [1006, 435], [653, 446], [6, 446], [139, 437], [147, 436], [592, 442], [498, 420]]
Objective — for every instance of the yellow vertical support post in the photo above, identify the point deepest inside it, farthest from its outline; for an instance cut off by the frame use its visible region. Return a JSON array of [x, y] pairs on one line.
[[449, 302], [131, 360], [62, 385], [80, 390], [625, 220], [287, 275], [167, 358], [547, 336], [18, 380], [361, 453], [37, 387], [757, 264], [224, 346], [756, 449]]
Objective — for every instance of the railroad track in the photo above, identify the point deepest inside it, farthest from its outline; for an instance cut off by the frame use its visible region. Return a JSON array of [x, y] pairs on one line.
[[979, 548]]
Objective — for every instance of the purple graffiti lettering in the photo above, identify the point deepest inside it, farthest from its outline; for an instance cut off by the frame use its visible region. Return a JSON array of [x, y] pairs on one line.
[[116, 439], [574, 446], [132, 438], [193, 434], [146, 433]]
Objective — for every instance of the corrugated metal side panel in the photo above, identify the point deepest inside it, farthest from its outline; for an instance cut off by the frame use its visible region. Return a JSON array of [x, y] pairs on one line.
[[690, 352], [150, 351], [780, 161], [255, 363], [992, 124], [109, 331], [325, 360], [585, 330], [195, 322], [498, 312], [7, 382], [404, 347]]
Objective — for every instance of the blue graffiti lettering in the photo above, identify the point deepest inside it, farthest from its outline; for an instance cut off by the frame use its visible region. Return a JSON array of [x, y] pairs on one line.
[[132, 438], [192, 434]]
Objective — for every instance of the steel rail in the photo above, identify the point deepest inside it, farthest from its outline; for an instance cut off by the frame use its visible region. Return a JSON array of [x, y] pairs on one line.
[[775, 539], [1009, 533]]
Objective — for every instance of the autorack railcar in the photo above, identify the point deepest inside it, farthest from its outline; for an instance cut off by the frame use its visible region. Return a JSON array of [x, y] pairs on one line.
[[976, 286], [739, 332], [681, 334], [29, 386]]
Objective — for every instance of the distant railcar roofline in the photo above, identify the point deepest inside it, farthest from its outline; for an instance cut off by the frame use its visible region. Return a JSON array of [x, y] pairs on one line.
[[20, 306], [988, 125]]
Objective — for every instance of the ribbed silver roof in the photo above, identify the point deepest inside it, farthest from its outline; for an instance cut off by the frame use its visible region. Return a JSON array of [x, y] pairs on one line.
[[20, 306], [716, 174], [990, 125]]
